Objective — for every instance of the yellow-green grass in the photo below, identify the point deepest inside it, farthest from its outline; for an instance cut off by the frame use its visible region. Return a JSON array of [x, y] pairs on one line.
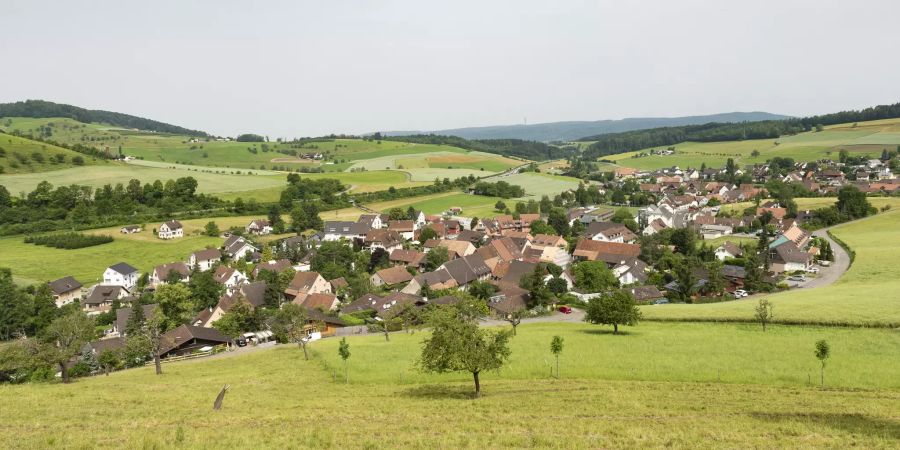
[[539, 184], [867, 138], [435, 159], [715, 243], [13, 145], [278, 400], [113, 172], [818, 202], [867, 294], [472, 205], [359, 182]]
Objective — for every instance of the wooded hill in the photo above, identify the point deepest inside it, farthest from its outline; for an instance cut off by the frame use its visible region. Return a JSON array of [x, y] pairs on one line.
[[45, 109], [611, 144], [535, 151]]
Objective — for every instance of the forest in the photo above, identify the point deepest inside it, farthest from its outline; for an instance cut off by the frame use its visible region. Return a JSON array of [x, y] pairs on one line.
[[536, 151]]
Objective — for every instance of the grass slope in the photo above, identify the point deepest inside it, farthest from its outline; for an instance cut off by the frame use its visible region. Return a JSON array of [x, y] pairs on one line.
[[868, 294], [866, 138], [27, 148], [278, 400]]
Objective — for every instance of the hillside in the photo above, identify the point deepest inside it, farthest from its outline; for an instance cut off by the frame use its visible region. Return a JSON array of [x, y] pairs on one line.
[[20, 156], [45, 109], [571, 130]]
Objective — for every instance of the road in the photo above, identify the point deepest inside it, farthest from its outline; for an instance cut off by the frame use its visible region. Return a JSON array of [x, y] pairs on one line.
[[576, 316], [828, 275]]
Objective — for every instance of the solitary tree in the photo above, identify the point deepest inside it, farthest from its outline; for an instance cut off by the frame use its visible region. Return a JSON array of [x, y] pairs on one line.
[[211, 229], [615, 308], [109, 360], [458, 344], [515, 318], [823, 351], [290, 321], [65, 337], [344, 352], [764, 314], [556, 347]]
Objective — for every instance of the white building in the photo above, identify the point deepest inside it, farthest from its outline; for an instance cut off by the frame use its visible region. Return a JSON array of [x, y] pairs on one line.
[[170, 230], [121, 274]]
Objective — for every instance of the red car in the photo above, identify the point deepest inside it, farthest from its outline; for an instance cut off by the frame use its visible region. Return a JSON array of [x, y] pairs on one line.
[[565, 310]]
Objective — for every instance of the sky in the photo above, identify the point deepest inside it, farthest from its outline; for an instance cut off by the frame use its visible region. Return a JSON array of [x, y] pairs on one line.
[[308, 68]]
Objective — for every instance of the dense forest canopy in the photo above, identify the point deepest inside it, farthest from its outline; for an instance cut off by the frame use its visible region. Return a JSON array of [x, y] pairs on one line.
[[536, 151], [45, 109], [610, 144]]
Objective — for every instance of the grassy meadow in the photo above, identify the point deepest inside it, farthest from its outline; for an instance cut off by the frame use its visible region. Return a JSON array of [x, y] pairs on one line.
[[868, 294], [22, 155], [866, 138], [818, 202], [539, 184], [276, 399]]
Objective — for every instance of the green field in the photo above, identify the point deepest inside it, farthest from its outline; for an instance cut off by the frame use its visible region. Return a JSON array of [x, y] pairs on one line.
[[818, 202], [539, 184], [868, 294], [867, 138], [36, 156], [278, 400]]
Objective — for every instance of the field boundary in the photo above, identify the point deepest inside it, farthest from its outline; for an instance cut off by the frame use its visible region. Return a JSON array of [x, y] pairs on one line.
[[789, 322]]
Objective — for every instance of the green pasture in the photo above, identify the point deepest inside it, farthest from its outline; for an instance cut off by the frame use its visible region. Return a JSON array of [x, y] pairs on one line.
[[12, 145], [539, 184], [868, 294]]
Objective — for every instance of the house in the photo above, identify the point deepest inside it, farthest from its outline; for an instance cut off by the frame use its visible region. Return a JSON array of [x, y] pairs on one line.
[[276, 266], [123, 315], [374, 221], [611, 252], [609, 232], [204, 260], [475, 237], [654, 227], [338, 283], [645, 294], [254, 294], [555, 255], [321, 301], [392, 276], [323, 323], [728, 250], [237, 247], [408, 258], [548, 240], [508, 299], [713, 231], [65, 290], [629, 270], [456, 249], [305, 283], [230, 277], [170, 230], [384, 307], [388, 240], [100, 298], [405, 228], [436, 280], [337, 230], [467, 269], [130, 229], [787, 257], [259, 227], [121, 274], [187, 339], [162, 272], [777, 211]]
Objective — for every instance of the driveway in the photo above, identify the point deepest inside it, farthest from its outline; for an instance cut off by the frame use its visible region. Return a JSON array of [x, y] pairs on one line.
[[576, 316], [828, 275]]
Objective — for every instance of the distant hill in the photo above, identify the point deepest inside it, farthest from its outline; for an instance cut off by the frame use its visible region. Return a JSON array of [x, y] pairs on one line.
[[568, 131], [45, 109]]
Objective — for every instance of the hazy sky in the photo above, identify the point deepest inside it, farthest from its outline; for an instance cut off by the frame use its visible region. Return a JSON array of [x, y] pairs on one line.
[[296, 68]]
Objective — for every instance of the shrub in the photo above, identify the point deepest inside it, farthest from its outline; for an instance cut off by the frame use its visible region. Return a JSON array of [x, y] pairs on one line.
[[69, 241]]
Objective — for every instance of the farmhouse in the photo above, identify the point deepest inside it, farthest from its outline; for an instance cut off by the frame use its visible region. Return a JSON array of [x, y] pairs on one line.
[[611, 252], [170, 230], [305, 283], [259, 227], [121, 274], [187, 339], [65, 290], [237, 247]]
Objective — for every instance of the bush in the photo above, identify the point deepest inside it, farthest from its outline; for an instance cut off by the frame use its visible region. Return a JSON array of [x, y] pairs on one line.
[[69, 241]]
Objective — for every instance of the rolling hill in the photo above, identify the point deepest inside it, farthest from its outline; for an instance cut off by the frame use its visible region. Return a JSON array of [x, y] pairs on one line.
[[571, 130]]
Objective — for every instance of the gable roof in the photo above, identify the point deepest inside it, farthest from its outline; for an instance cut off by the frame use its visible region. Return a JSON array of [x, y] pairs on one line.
[[224, 274], [303, 281], [173, 224], [394, 275], [346, 228], [645, 293], [387, 238], [607, 251], [177, 337], [123, 314], [102, 294], [234, 243], [63, 285], [467, 269], [208, 254], [162, 271], [409, 257], [123, 268], [276, 266], [319, 301]]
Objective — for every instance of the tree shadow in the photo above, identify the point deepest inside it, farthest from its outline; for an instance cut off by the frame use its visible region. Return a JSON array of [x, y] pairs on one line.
[[609, 331], [849, 422], [439, 392]]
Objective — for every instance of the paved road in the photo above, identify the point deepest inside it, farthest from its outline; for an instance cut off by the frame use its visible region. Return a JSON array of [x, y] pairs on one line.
[[828, 275], [576, 316]]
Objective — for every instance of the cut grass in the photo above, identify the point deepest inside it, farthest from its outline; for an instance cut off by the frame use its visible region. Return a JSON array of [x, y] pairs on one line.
[[274, 393], [539, 184], [868, 294]]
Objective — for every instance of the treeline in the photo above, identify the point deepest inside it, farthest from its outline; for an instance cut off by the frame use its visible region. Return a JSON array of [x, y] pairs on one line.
[[69, 241], [610, 144], [325, 189], [45, 109], [49, 208], [250, 137], [537, 151], [80, 148], [500, 189]]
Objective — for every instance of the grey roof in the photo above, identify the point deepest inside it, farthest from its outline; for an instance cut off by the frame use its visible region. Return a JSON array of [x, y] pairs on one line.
[[177, 337], [518, 269], [123, 268], [207, 254], [103, 294], [123, 314], [173, 224], [345, 228], [467, 269], [64, 284]]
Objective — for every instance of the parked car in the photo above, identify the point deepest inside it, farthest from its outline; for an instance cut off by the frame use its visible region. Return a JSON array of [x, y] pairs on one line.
[[241, 341], [824, 263], [565, 309], [662, 301], [798, 278], [812, 270], [740, 293]]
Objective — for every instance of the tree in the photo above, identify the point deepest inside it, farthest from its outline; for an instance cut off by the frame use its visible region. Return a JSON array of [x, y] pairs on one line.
[[211, 229], [684, 240], [715, 279], [559, 220], [594, 276], [65, 337], [344, 353], [109, 360], [686, 280], [436, 257], [291, 322], [823, 352], [556, 347], [852, 203], [175, 305], [458, 344], [615, 308], [764, 313], [515, 318], [500, 206], [427, 233], [396, 214], [482, 289]]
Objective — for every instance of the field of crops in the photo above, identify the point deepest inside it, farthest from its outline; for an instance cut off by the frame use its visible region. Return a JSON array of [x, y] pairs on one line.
[[866, 138], [272, 394], [868, 294]]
